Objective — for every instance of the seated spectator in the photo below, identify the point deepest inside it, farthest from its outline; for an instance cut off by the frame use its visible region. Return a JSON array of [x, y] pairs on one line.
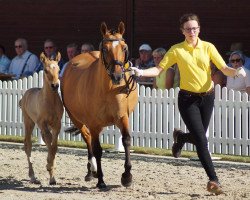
[[176, 74], [240, 83], [4, 60], [87, 47], [72, 51], [145, 61], [238, 46], [50, 50], [167, 78], [160, 82], [25, 63]]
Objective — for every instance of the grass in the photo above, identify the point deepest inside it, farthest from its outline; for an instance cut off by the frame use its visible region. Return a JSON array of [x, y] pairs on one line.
[[139, 150]]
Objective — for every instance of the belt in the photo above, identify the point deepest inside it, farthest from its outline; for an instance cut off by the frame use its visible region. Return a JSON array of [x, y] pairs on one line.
[[198, 94]]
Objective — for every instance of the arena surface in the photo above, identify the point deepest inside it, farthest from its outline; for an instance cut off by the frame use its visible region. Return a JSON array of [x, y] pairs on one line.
[[154, 177]]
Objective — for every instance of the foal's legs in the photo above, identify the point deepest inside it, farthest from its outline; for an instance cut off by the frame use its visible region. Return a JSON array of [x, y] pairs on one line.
[[29, 126], [52, 153], [126, 179], [50, 140]]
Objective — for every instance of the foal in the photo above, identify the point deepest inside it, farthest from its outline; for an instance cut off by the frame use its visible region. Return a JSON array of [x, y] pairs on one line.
[[43, 106]]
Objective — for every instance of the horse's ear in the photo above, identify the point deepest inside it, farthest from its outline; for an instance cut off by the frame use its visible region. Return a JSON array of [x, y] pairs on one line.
[[103, 28], [58, 56], [42, 57], [121, 28]]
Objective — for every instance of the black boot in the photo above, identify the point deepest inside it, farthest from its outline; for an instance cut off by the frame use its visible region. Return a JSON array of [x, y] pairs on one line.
[[178, 143]]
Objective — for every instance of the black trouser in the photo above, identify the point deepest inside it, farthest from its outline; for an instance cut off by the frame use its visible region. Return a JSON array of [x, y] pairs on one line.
[[196, 111]]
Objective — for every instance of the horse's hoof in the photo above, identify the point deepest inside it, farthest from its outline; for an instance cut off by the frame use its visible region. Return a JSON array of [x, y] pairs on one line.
[[35, 181], [52, 182], [126, 181], [94, 174], [88, 177], [101, 185]]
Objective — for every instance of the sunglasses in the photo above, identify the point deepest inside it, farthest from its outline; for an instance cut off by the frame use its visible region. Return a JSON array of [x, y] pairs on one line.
[[235, 60], [18, 46], [49, 47]]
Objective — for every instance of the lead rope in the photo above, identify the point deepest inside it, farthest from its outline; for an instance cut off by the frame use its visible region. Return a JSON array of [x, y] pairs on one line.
[[132, 79]]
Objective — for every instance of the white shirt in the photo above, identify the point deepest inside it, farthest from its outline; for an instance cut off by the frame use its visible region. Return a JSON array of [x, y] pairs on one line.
[[239, 83], [18, 66]]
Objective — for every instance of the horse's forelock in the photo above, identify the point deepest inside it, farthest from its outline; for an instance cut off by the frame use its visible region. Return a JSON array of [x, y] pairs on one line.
[[113, 31]]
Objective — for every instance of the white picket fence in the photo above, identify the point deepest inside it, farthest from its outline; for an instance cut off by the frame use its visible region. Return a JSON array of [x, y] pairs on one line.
[[152, 122]]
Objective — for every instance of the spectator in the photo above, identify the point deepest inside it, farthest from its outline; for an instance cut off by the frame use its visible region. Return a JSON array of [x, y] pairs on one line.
[[238, 83], [238, 46], [72, 51], [25, 63], [167, 78], [50, 50], [145, 61], [161, 81], [4, 60], [87, 47]]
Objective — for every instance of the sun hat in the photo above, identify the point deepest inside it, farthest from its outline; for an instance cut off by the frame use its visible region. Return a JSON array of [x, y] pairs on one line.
[[239, 53], [145, 47]]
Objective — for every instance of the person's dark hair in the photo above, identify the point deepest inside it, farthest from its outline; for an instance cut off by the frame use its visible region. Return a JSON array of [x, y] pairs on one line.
[[3, 49], [72, 45], [187, 17]]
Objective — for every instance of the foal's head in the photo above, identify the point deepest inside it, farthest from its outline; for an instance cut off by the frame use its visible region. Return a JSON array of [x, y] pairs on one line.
[[51, 70], [114, 52]]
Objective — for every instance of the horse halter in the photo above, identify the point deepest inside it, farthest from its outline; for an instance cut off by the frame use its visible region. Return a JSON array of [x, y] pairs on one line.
[[109, 65]]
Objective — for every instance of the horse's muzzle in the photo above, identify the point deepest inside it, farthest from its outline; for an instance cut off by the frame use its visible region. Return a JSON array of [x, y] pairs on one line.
[[116, 78], [55, 87]]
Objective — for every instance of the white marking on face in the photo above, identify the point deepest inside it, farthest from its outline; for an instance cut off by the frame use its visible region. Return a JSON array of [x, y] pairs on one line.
[[52, 66], [115, 43]]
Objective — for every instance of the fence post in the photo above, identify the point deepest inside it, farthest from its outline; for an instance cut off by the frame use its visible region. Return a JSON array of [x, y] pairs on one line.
[[118, 144]]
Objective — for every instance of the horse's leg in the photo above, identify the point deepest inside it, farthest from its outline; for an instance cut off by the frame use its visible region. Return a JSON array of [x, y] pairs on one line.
[[97, 150], [126, 178], [91, 166], [48, 139], [29, 126]]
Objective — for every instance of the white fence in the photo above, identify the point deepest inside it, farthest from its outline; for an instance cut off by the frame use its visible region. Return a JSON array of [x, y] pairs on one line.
[[152, 121]]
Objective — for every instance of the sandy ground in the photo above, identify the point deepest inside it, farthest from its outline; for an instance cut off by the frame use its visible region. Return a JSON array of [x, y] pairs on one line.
[[154, 177]]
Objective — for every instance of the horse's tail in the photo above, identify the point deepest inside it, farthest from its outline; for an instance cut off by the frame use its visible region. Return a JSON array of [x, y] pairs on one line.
[[72, 130], [20, 103]]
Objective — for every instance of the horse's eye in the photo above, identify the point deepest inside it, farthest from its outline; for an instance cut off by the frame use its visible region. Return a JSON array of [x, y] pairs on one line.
[[125, 48]]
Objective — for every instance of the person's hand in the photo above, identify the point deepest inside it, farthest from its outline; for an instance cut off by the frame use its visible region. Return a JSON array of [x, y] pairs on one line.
[[240, 72], [137, 72]]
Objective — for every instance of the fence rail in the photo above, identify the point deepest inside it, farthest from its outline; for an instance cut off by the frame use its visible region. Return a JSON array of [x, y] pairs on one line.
[[153, 120]]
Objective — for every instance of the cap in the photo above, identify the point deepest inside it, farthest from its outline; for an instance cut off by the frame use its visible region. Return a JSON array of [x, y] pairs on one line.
[[145, 47]]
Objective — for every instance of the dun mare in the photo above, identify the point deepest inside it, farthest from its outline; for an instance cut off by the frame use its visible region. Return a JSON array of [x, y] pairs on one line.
[[98, 91], [43, 106]]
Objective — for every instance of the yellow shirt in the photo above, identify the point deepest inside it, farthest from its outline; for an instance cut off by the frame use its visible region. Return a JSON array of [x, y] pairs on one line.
[[194, 64]]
